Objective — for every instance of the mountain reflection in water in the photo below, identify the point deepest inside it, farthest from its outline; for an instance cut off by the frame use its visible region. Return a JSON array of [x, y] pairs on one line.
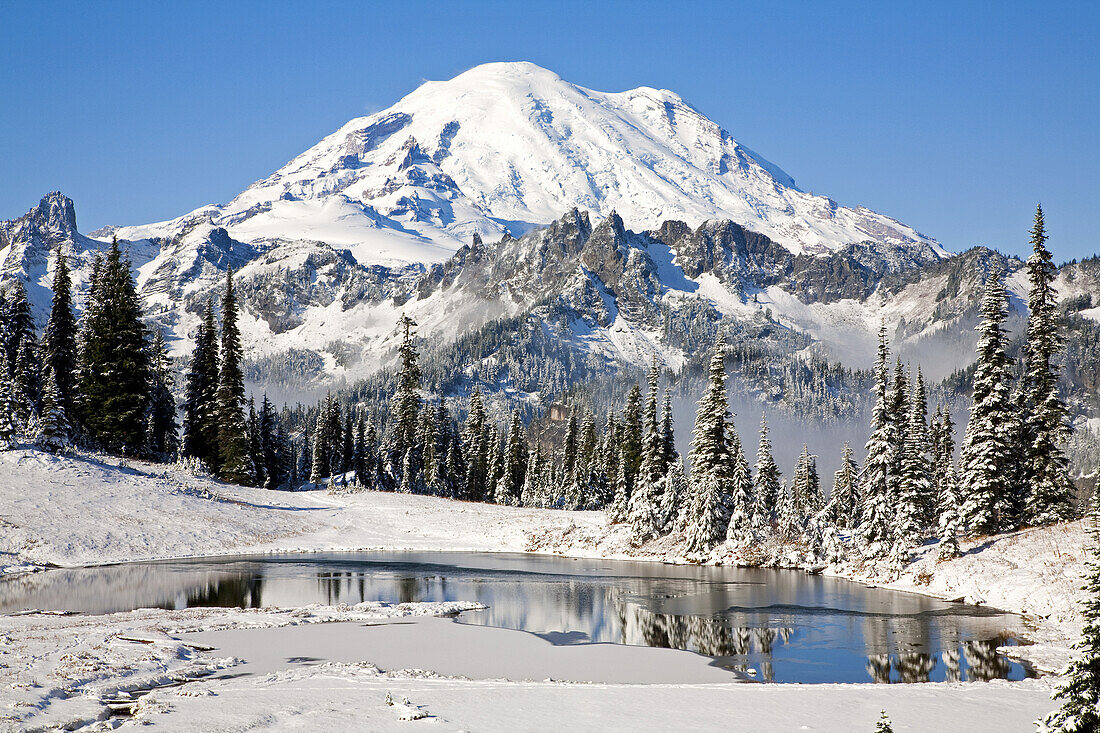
[[773, 625]]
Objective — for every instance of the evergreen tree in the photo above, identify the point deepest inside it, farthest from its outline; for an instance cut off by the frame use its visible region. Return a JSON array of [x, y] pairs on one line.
[[645, 500], [877, 479], [113, 382], [632, 436], [234, 446], [10, 426], [950, 521], [271, 446], [619, 511], [845, 494], [914, 486], [883, 724], [569, 444], [668, 435], [59, 339], [985, 475], [711, 462], [1049, 490], [743, 525], [766, 479], [200, 424], [475, 449], [319, 465], [406, 399], [1080, 694], [53, 425], [21, 347], [163, 433]]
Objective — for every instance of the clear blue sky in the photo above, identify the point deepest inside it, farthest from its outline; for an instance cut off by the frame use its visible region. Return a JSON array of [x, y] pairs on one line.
[[954, 118]]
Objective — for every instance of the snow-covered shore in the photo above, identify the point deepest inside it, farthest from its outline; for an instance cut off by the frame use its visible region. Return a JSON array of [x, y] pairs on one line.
[[81, 510]]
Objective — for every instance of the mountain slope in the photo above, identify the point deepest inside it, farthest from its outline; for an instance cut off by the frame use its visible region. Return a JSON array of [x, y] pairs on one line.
[[507, 146]]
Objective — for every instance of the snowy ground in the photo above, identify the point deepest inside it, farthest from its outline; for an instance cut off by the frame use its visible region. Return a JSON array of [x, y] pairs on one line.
[[84, 510]]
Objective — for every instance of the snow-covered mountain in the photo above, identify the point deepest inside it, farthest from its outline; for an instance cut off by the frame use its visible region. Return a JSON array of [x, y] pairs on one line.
[[508, 146]]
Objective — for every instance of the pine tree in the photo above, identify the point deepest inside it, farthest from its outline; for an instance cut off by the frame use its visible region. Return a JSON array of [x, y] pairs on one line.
[[475, 449], [914, 486], [711, 462], [10, 426], [645, 500], [53, 425], [950, 521], [22, 351], [743, 526], [234, 449], [845, 494], [59, 339], [673, 495], [163, 434], [883, 724], [877, 479], [319, 465], [632, 436], [668, 435], [569, 444], [406, 400], [619, 510], [766, 479], [1080, 694], [271, 446], [113, 382], [1049, 490], [200, 424], [985, 477]]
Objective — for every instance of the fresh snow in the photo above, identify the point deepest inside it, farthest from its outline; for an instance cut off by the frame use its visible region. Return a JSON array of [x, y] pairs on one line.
[[506, 146], [79, 510]]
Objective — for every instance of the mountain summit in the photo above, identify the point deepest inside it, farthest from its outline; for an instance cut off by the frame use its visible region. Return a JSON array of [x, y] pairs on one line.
[[505, 147]]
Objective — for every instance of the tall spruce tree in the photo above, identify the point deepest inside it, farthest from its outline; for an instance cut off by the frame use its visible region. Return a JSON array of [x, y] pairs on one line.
[[406, 403], [1080, 694], [514, 471], [766, 479], [474, 449], [632, 436], [234, 447], [113, 381], [200, 424], [877, 479], [10, 426], [743, 526], [985, 478], [914, 485], [59, 338], [845, 494], [163, 432], [21, 346], [1048, 488], [711, 461], [54, 430]]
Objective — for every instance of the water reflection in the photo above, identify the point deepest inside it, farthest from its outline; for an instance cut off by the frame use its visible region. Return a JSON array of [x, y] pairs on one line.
[[774, 625]]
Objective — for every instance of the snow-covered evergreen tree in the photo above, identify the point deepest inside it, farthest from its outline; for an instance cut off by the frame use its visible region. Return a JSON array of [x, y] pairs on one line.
[[984, 473], [10, 426], [883, 725], [475, 449], [53, 424], [163, 434], [234, 449], [914, 485], [950, 521], [877, 481], [619, 510], [514, 471], [59, 338], [766, 488], [1080, 694], [844, 498], [1048, 488], [405, 416], [645, 501], [674, 494], [632, 436], [22, 351], [743, 527], [200, 425], [711, 462], [113, 381]]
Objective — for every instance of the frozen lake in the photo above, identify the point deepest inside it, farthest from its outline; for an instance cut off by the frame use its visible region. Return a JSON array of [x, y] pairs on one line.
[[770, 625]]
